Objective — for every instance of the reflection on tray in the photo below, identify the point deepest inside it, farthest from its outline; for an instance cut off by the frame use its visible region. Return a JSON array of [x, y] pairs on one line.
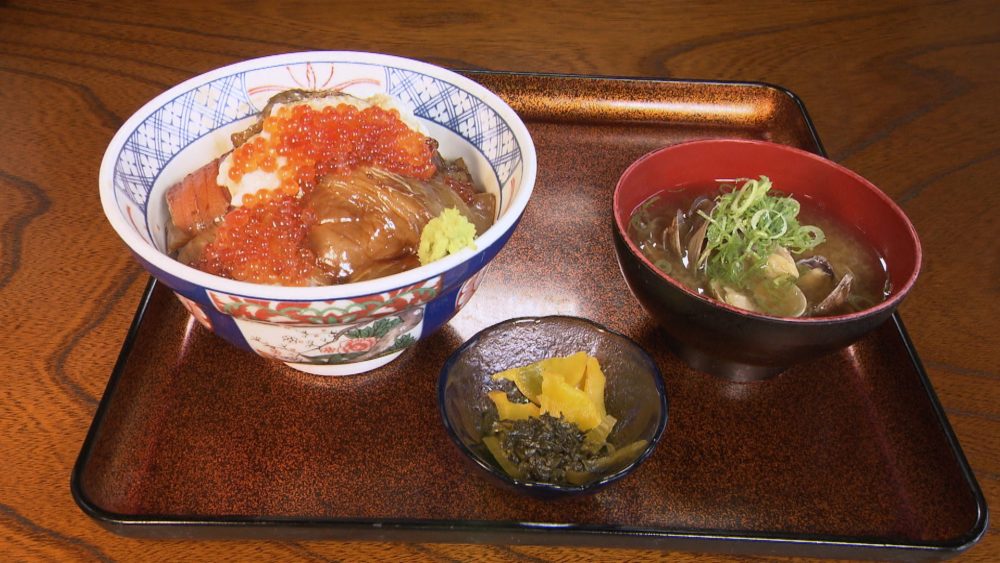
[[845, 456]]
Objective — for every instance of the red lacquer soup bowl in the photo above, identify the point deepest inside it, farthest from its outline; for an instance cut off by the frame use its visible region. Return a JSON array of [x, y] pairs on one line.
[[734, 343]]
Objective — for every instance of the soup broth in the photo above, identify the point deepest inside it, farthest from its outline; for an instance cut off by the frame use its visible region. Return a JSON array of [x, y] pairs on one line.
[[670, 230]]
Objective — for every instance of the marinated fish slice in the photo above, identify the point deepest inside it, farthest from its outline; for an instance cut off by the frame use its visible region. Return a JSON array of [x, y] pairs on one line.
[[361, 221], [198, 201]]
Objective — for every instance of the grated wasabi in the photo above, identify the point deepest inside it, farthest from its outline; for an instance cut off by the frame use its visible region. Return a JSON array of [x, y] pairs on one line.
[[445, 234]]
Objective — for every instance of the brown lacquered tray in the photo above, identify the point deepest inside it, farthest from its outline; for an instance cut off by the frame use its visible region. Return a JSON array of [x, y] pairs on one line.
[[848, 456]]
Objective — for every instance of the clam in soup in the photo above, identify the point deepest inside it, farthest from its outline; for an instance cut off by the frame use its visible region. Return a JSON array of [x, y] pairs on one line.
[[752, 247]]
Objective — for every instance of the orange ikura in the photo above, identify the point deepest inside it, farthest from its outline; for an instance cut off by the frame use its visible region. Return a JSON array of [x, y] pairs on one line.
[[263, 244], [301, 143]]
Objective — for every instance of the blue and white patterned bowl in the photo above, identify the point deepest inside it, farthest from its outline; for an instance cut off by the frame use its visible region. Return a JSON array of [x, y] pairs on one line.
[[332, 330]]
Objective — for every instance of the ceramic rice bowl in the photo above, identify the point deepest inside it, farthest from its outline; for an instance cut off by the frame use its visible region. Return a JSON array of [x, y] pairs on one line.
[[330, 330]]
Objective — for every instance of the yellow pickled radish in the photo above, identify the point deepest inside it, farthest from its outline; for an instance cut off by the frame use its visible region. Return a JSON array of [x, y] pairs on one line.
[[571, 367], [571, 387], [528, 380], [508, 410], [561, 399], [593, 384]]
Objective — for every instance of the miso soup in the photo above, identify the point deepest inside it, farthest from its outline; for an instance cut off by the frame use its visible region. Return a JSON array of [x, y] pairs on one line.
[[747, 244]]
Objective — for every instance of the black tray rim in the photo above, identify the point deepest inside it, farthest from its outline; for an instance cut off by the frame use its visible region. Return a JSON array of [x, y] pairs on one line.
[[529, 533]]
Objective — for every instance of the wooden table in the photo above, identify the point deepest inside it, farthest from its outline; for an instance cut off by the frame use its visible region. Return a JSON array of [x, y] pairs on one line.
[[905, 93]]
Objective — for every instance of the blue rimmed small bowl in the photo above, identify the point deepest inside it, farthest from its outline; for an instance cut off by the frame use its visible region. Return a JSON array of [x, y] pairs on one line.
[[634, 392]]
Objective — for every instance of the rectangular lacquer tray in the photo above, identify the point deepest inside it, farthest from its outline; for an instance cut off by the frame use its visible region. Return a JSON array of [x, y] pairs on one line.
[[847, 456]]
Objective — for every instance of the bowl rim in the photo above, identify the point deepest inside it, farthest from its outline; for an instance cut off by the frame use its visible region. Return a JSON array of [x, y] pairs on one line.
[[883, 307], [164, 263], [552, 488]]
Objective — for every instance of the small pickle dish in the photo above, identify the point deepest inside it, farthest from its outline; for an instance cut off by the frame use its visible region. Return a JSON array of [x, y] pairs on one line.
[[320, 253], [496, 392]]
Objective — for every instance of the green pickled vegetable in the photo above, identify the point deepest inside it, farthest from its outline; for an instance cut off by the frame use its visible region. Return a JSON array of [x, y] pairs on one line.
[[601, 466], [541, 448], [621, 456], [597, 437], [492, 443]]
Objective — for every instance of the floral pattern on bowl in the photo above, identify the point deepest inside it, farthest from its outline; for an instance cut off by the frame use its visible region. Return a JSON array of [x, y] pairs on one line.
[[327, 312], [331, 345]]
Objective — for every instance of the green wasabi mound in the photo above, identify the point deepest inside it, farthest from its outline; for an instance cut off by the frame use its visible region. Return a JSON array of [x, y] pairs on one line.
[[445, 234]]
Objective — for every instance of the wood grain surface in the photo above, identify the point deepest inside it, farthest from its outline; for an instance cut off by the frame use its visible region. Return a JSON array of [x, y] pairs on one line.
[[905, 93]]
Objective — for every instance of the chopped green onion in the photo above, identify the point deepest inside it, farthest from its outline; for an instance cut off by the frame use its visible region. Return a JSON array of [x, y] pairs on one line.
[[747, 225], [640, 218]]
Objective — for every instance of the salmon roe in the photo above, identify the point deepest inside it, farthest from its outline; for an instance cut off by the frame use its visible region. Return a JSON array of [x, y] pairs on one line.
[[263, 244], [303, 144]]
